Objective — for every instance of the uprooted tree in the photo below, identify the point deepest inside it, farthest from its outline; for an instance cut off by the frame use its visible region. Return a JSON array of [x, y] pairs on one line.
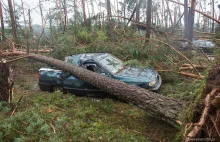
[[208, 126]]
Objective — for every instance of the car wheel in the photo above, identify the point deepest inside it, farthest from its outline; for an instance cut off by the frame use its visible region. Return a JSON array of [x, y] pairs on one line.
[[54, 88], [44, 88], [64, 91]]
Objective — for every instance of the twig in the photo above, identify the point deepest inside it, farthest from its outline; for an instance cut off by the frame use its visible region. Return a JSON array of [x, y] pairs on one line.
[[16, 106], [60, 109], [51, 124]]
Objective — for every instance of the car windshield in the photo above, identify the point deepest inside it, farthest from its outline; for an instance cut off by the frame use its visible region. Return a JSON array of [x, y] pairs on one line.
[[210, 44], [112, 64]]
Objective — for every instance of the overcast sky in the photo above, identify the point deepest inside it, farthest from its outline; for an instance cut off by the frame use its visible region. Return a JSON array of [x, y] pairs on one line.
[[47, 4]]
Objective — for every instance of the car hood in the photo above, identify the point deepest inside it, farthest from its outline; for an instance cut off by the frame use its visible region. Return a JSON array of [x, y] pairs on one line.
[[138, 74]]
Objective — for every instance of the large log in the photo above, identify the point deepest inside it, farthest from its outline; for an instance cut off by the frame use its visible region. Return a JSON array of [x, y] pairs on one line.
[[163, 107]]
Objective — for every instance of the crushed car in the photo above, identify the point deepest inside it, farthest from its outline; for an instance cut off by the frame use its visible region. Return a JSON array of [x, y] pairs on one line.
[[103, 64]]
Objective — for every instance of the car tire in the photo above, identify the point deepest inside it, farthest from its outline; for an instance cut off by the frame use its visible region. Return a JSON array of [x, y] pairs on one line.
[[44, 88], [64, 91], [54, 88]]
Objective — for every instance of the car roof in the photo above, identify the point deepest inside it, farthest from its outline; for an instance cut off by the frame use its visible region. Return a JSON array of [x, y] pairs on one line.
[[201, 40], [92, 56], [79, 59]]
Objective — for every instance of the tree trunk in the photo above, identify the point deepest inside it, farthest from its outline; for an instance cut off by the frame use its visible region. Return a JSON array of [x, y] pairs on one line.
[[41, 13], [84, 11], [13, 24], [22, 5], [61, 14], [148, 24], [57, 15], [4, 73], [186, 13], [50, 22], [124, 10], [66, 17], [171, 20], [191, 20], [175, 14], [75, 12], [213, 15], [162, 13], [137, 11], [30, 25], [6, 83], [110, 23], [25, 27], [2, 22]]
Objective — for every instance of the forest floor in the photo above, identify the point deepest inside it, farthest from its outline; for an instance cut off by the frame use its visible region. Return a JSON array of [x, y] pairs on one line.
[[44, 116]]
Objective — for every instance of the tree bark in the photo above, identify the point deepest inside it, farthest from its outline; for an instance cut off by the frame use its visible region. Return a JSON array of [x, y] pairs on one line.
[[171, 20], [137, 10], [148, 24], [191, 20], [13, 24], [66, 17], [110, 23], [186, 13], [213, 15], [41, 13], [75, 12], [4, 86], [84, 11], [30, 25], [61, 13], [2, 22], [124, 10]]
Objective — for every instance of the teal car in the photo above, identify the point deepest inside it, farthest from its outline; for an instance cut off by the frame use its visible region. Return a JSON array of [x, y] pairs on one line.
[[102, 63]]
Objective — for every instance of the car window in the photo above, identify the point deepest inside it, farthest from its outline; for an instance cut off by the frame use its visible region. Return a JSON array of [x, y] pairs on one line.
[[210, 44], [111, 64], [202, 44], [91, 67], [196, 43]]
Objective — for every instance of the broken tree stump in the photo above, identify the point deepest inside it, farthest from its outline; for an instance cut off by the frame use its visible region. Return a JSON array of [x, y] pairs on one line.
[[6, 82]]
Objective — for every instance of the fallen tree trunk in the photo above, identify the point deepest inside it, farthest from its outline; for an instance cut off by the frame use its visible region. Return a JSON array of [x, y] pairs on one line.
[[163, 107]]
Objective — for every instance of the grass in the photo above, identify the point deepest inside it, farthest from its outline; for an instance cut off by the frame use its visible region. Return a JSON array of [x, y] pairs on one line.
[[79, 119]]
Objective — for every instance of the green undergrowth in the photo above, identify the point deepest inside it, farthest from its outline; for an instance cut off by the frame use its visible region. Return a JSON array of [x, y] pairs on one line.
[[54, 117]]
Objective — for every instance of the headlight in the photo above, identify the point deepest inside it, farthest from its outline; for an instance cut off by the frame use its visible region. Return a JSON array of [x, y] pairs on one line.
[[153, 83]]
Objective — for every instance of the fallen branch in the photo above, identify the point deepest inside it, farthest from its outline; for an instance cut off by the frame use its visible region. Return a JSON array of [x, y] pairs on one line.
[[16, 106], [52, 126], [192, 75], [189, 67]]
